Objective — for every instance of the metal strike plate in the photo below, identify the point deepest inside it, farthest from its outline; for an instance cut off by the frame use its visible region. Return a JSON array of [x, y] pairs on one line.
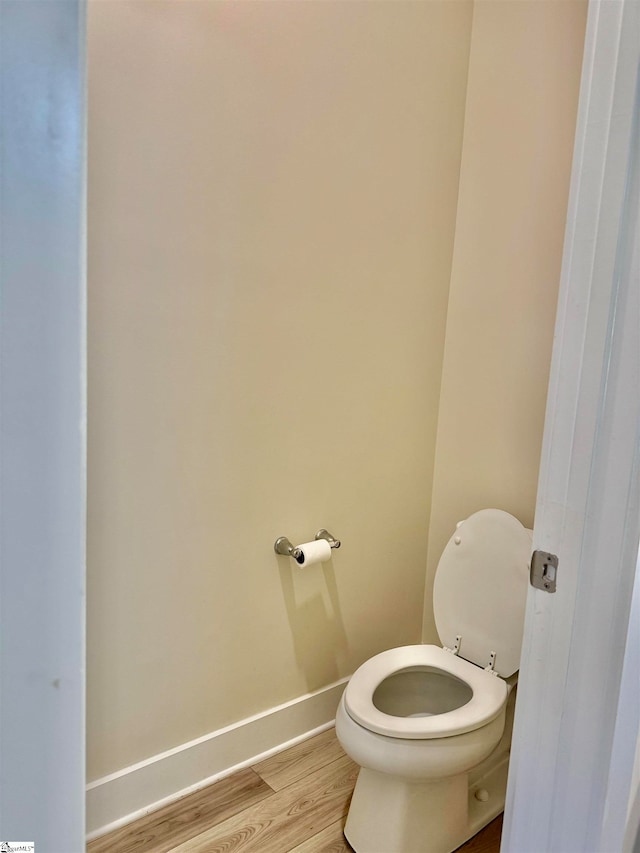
[[544, 569]]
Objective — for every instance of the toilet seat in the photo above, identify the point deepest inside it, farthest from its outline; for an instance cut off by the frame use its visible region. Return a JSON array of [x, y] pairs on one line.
[[488, 698]]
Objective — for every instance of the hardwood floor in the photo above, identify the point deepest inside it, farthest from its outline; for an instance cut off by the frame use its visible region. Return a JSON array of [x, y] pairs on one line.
[[293, 802]]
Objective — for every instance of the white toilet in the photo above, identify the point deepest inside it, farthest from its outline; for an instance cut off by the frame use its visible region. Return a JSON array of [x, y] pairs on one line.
[[430, 727]]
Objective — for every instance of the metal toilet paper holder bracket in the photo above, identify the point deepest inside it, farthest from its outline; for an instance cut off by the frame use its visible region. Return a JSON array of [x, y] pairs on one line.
[[284, 547]]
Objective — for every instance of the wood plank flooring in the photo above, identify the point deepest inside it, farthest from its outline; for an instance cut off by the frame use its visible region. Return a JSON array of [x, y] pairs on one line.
[[294, 802]]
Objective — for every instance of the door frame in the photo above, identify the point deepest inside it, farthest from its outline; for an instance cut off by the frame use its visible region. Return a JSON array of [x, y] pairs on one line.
[[42, 423], [578, 709]]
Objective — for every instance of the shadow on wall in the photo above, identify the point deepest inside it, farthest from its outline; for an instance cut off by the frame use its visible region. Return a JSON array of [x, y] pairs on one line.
[[315, 618]]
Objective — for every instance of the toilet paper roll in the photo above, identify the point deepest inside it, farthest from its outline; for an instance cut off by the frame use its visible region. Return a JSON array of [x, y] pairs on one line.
[[314, 552]]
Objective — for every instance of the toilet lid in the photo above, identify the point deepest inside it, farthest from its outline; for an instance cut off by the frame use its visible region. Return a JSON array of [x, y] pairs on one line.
[[480, 589]]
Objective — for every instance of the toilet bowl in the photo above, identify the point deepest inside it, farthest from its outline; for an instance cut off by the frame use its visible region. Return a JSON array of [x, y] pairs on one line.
[[430, 726]]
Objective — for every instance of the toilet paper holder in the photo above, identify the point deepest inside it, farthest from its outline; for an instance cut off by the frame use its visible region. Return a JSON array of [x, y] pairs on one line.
[[283, 545]]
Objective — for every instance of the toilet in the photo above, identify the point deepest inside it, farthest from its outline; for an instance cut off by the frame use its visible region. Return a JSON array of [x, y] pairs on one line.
[[430, 726]]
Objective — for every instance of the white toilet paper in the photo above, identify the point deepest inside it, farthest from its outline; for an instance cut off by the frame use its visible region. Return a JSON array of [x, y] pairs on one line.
[[314, 552]]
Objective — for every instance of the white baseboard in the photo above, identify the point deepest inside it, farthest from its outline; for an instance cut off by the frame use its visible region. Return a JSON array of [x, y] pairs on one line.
[[128, 794]]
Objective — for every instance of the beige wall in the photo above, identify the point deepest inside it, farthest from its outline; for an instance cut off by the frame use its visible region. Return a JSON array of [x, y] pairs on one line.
[[524, 71], [272, 195]]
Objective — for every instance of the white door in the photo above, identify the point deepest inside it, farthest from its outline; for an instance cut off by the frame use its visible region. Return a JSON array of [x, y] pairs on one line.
[[42, 424], [578, 711]]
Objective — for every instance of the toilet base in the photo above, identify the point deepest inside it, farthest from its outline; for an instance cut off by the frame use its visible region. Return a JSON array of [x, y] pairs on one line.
[[393, 815], [405, 816]]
